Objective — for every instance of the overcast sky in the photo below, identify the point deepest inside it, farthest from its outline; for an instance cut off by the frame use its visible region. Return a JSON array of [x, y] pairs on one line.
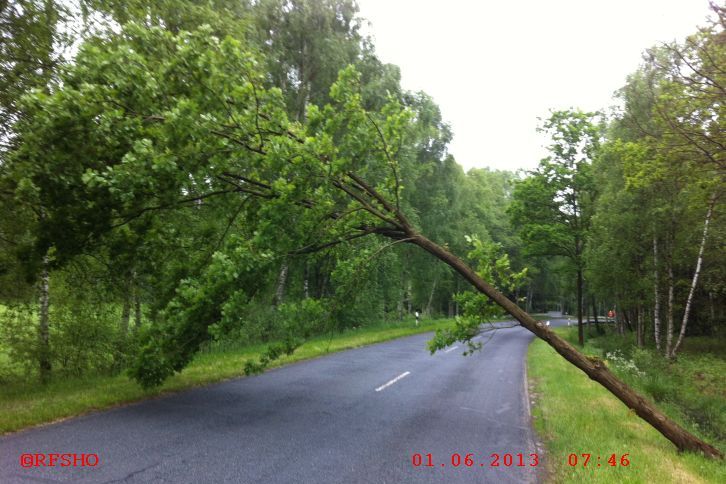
[[495, 66]]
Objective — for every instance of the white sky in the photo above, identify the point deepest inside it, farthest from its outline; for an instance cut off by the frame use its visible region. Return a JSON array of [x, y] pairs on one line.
[[495, 66]]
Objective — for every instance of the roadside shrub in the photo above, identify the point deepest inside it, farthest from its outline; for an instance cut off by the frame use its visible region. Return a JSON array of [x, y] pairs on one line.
[[85, 337], [260, 323], [150, 366], [242, 323], [302, 319], [19, 341]]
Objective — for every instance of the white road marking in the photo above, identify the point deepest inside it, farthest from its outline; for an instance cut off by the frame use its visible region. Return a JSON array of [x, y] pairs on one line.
[[402, 375], [450, 349]]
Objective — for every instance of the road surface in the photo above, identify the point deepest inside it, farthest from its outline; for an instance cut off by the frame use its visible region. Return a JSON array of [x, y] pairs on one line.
[[357, 416]]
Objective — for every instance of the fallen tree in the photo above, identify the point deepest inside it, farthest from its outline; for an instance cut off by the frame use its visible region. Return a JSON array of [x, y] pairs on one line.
[[594, 368]]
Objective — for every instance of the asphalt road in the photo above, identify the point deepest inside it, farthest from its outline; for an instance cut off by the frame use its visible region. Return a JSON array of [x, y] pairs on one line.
[[357, 416]]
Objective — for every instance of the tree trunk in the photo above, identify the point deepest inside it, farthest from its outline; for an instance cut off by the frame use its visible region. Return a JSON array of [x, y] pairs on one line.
[[409, 297], [656, 289], [401, 303], [431, 296], [125, 314], [530, 294], [586, 313], [322, 292], [401, 296], [281, 281], [44, 323], [128, 299], [302, 94], [580, 328], [135, 300], [598, 328], [669, 312], [712, 311], [639, 330], [694, 282], [306, 284], [626, 319], [137, 310], [592, 367]]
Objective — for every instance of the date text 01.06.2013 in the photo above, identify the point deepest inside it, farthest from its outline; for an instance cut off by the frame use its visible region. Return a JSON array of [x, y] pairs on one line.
[[475, 460]]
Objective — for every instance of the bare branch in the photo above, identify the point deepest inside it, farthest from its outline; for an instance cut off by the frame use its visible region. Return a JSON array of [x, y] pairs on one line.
[[391, 161], [366, 205], [174, 204], [239, 142]]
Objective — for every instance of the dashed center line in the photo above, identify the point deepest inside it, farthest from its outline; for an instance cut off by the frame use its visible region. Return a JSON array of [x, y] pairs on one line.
[[402, 375], [450, 349]]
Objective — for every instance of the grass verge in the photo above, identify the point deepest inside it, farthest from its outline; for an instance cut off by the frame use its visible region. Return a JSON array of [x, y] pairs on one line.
[[25, 404], [574, 415]]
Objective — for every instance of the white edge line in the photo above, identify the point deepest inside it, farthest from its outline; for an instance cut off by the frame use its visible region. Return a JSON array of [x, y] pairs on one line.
[[527, 401], [450, 349], [402, 375], [532, 437]]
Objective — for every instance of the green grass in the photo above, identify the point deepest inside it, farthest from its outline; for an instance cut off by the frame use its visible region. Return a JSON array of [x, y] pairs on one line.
[[24, 404], [573, 414]]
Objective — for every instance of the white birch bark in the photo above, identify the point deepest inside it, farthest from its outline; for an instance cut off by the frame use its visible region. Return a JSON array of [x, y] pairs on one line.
[[44, 321], [281, 281], [671, 298], [656, 289], [694, 281]]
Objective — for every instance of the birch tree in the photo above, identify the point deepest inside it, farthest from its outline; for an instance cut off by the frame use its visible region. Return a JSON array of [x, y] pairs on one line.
[[680, 116]]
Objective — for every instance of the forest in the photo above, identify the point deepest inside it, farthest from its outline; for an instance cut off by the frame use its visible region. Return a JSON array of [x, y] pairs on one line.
[[179, 176]]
